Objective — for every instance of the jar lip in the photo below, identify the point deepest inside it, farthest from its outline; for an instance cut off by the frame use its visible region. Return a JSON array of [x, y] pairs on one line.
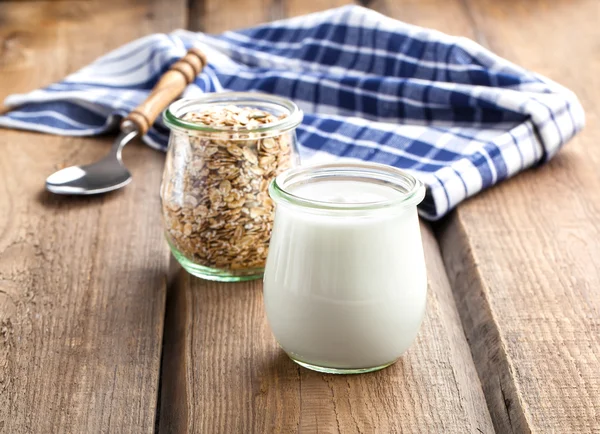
[[172, 115], [412, 190]]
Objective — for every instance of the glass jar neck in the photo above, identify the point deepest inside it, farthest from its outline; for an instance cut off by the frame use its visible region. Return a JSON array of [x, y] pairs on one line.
[[289, 113], [402, 189]]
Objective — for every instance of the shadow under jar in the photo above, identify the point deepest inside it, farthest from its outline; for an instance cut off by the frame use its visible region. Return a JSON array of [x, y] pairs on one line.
[[345, 284], [224, 150]]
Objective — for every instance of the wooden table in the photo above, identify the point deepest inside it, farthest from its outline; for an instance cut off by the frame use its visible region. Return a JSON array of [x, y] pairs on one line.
[[99, 332]]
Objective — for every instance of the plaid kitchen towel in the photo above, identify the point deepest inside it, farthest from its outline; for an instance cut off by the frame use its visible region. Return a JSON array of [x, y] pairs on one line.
[[372, 88]]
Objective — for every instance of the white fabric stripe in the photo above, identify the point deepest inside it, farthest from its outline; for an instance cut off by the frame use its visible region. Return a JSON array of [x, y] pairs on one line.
[[51, 114], [13, 123], [349, 49], [367, 144], [75, 97], [333, 84]]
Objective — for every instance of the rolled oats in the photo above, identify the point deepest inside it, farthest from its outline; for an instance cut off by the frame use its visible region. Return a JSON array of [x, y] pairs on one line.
[[215, 204]]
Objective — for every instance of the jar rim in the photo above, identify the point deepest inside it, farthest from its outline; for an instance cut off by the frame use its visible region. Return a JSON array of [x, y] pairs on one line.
[[172, 116], [412, 190]]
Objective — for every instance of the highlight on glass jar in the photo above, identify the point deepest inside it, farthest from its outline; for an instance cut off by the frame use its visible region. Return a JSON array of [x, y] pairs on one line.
[[345, 284], [224, 150]]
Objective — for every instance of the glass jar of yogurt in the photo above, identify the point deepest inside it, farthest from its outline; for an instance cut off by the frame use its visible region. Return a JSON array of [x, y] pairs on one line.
[[345, 285], [224, 150]]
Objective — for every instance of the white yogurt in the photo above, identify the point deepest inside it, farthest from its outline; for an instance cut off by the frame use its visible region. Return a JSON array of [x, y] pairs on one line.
[[345, 289]]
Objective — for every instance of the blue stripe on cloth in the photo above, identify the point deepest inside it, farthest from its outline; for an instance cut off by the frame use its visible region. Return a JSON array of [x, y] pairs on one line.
[[59, 114], [372, 88]]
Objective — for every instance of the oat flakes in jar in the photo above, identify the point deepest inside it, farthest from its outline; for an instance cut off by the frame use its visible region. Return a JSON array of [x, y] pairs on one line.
[[224, 150]]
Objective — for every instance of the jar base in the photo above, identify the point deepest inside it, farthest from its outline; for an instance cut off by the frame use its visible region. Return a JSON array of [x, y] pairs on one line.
[[346, 371], [215, 274]]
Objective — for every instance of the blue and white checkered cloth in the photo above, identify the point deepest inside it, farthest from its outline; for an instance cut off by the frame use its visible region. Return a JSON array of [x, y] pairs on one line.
[[372, 88]]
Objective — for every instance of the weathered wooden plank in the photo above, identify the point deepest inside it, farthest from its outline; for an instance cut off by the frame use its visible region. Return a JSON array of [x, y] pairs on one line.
[[82, 280], [523, 257], [223, 371], [295, 7], [215, 16], [451, 16]]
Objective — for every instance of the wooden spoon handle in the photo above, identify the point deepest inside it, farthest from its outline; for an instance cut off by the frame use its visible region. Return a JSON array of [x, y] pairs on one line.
[[169, 87]]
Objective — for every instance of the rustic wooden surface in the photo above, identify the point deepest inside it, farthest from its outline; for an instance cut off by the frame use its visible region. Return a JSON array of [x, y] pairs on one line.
[[82, 281], [524, 258], [224, 373]]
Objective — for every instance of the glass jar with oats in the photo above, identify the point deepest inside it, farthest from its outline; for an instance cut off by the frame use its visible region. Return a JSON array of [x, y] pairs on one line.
[[224, 150]]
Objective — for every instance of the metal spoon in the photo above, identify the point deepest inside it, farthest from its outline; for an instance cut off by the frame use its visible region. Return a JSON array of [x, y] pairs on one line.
[[109, 173]]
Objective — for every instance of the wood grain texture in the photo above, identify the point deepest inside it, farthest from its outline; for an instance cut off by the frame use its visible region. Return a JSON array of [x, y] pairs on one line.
[[224, 373], [523, 258], [82, 280], [215, 16], [301, 7]]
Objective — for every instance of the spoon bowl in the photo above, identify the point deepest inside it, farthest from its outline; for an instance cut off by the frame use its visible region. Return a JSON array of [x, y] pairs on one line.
[[109, 173], [101, 177], [105, 175]]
